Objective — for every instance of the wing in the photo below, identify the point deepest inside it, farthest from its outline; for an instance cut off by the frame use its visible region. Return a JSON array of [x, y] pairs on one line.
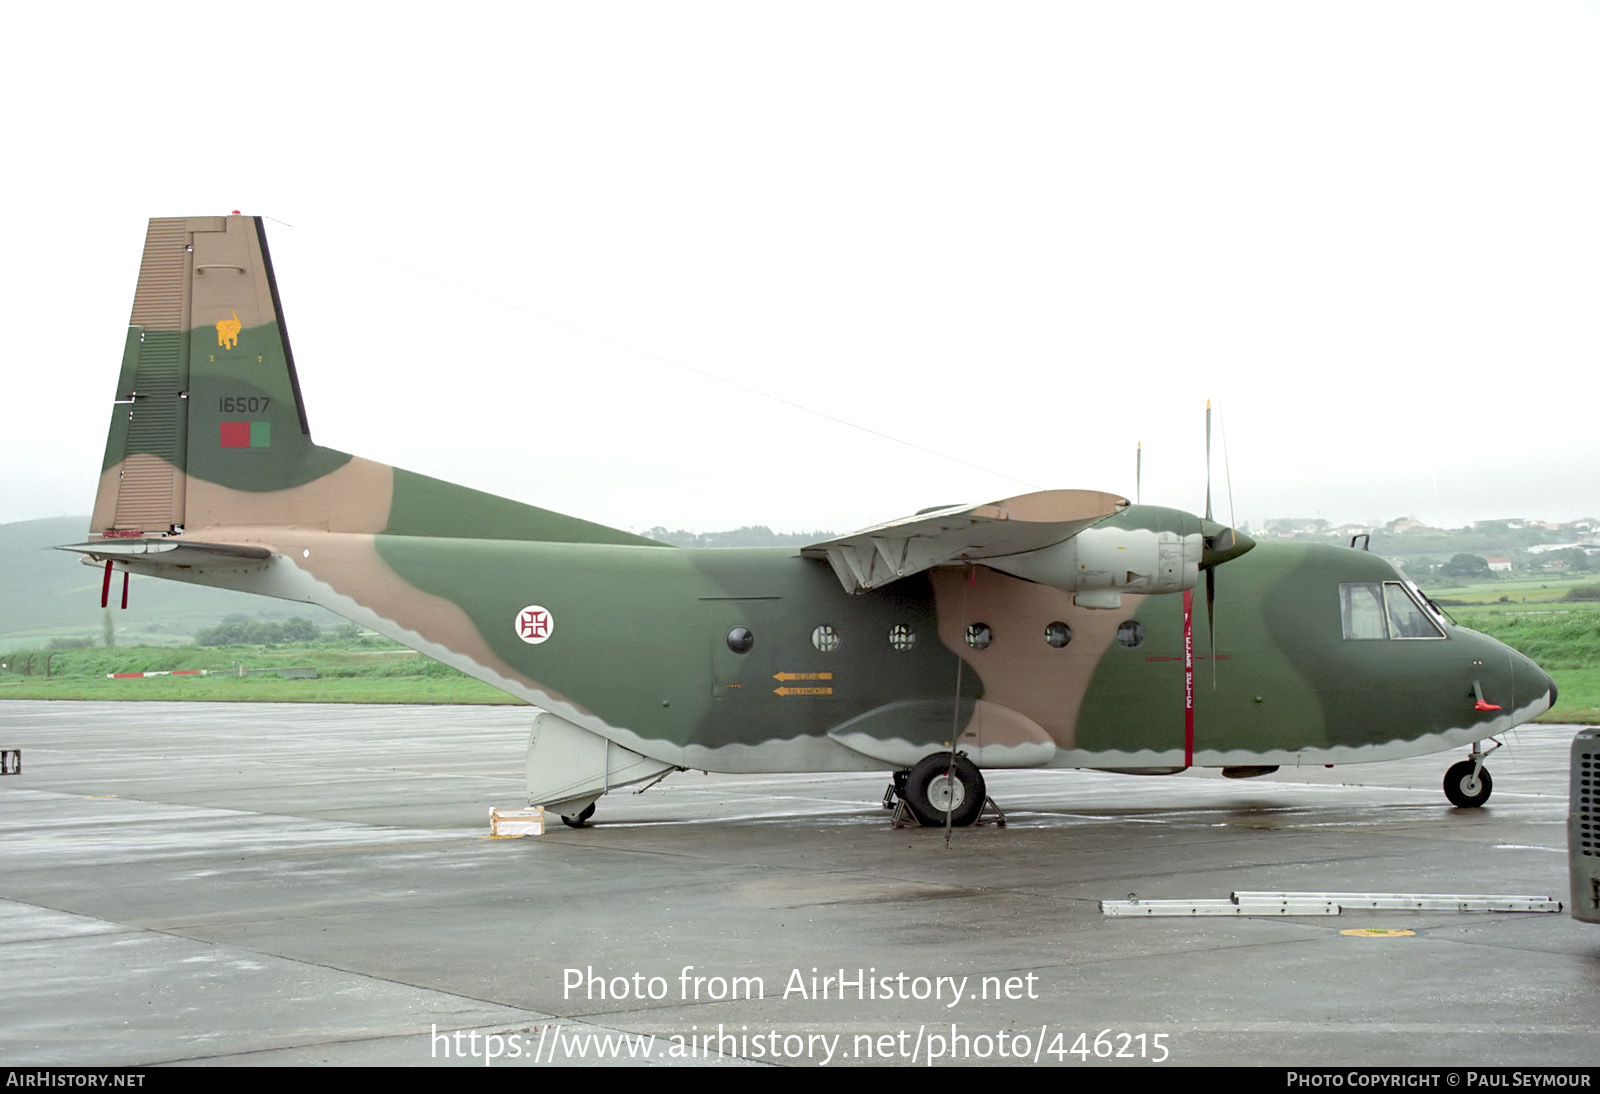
[[876, 556]]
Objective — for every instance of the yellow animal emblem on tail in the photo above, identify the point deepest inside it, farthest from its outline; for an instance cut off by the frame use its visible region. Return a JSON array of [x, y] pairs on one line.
[[228, 332]]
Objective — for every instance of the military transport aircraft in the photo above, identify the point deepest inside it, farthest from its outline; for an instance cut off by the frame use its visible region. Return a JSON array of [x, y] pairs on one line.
[[1055, 629]]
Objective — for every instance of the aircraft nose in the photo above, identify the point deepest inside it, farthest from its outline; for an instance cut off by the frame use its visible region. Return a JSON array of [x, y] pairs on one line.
[[1528, 680]]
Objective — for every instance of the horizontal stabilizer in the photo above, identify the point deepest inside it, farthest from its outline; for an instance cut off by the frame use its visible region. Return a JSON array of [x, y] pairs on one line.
[[874, 557], [168, 552]]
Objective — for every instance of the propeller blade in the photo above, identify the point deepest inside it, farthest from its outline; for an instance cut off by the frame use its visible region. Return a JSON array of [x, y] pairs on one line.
[[1221, 544]]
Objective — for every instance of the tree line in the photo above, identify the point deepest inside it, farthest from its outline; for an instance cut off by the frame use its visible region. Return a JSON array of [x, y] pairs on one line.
[[259, 632]]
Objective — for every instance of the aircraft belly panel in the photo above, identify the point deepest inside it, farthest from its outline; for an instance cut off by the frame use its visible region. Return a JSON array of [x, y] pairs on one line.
[[899, 734]]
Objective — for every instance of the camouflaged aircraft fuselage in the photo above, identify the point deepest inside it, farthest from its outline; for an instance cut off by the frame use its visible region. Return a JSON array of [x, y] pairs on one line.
[[1059, 629]]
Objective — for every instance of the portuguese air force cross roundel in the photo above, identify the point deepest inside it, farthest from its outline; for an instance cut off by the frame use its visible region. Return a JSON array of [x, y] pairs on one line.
[[535, 624]]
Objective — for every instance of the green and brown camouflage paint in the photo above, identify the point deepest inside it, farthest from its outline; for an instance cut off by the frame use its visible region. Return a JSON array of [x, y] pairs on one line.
[[209, 460]]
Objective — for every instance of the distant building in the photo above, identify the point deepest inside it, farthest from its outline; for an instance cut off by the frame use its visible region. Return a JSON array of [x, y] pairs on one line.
[[1498, 564]]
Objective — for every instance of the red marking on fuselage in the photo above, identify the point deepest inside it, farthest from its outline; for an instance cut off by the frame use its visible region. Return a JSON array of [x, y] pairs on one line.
[[1188, 677], [534, 624]]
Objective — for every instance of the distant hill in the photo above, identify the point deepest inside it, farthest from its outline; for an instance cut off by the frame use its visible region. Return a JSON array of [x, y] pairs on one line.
[[47, 594]]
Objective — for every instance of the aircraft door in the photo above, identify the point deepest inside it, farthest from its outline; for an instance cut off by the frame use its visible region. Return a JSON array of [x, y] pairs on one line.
[[744, 646]]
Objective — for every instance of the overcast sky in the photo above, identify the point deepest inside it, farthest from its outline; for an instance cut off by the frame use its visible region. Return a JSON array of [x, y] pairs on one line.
[[820, 265]]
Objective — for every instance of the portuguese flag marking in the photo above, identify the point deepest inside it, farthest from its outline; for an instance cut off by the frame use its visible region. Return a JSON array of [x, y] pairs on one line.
[[246, 434]]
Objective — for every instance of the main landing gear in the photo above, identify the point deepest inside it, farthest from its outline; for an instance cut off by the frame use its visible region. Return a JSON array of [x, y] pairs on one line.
[[1467, 784], [940, 786]]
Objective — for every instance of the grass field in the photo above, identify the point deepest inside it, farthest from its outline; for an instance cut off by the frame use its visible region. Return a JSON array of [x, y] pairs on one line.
[[1564, 641], [1518, 594], [351, 673]]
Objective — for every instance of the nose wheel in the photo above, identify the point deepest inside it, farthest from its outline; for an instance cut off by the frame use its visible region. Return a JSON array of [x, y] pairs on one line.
[[1467, 784]]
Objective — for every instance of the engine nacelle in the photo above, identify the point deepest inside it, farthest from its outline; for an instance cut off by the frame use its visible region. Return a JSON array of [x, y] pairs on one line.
[[1143, 549]]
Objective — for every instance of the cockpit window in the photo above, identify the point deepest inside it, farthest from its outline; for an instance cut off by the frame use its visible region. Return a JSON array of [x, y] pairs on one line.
[[1370, 609], [1406, 617], [1361, 608]]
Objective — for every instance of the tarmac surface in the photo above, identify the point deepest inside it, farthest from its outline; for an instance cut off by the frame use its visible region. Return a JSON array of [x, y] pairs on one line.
[[262, 884]]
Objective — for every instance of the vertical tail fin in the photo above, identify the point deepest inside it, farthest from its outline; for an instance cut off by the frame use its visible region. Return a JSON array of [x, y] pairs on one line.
[[208, 430], [208, 387]]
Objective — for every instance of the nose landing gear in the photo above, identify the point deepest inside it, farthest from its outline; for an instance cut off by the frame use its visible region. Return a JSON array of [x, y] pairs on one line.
[[1467, 784]]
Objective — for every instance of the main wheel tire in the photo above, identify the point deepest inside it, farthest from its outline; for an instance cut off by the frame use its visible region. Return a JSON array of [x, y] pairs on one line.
[[581, 819], [1464, 789], [937, 786]]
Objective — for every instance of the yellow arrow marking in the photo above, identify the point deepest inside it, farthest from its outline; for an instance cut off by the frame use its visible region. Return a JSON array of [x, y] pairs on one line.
[[802, 676], [802, 691]]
